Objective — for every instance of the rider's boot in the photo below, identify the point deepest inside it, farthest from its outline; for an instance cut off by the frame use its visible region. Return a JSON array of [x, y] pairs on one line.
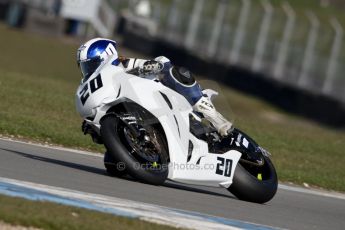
[[206, 107]]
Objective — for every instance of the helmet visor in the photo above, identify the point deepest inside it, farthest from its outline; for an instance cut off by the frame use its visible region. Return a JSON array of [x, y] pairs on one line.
[[89, 66]]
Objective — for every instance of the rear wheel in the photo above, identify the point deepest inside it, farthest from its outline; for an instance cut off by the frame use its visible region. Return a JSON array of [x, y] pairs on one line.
[[142, 152], [112, 166]]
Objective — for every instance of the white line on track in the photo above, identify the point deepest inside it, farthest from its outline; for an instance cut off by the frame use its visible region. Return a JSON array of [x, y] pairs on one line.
[[122, 207]]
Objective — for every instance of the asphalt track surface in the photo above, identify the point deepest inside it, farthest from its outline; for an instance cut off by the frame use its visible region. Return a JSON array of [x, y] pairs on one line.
[[85, 172]]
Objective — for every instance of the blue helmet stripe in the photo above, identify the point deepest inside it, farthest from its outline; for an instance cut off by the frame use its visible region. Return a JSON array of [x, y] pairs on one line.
[[97, 48]]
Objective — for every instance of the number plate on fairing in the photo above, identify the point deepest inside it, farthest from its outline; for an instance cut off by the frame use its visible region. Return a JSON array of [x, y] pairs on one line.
[[211, 170]]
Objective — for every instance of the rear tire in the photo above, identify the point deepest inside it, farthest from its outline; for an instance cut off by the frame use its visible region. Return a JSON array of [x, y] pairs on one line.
[[113, 135], [112, 167]]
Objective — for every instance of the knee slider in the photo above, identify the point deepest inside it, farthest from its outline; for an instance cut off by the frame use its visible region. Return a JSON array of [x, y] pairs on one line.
[[183, 75]]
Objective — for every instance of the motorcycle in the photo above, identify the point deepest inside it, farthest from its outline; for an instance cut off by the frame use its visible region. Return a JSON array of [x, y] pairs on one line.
[[152, 133]]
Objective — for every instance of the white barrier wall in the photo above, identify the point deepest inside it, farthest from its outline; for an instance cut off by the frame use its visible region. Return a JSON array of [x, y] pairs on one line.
[[297, 48]]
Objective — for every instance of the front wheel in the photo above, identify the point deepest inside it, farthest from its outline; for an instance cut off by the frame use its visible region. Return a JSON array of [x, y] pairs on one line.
[[255, 184], [144, 156]]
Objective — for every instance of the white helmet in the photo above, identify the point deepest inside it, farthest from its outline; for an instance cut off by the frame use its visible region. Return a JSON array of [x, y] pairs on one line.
[[94, 53]]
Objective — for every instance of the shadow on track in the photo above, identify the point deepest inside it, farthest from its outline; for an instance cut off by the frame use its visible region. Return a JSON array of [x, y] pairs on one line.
[[59, 162], [196, 190]]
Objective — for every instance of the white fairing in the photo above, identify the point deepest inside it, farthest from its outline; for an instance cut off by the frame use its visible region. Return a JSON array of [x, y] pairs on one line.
[[203, 168]]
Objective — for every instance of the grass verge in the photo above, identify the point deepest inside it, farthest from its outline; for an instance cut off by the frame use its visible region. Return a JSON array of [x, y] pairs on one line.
[[38, 78], [51, 216]]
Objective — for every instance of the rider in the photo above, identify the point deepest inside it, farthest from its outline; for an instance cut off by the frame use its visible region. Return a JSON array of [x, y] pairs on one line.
[[94, 53]]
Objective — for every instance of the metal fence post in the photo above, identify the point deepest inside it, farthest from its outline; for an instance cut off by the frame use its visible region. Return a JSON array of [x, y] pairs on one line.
[[332, 64], [170, 31], [173, 15], [194, 23], [217, 26], [240, 32], [262, 38], [156, 8], [283, 50], [309, 50]]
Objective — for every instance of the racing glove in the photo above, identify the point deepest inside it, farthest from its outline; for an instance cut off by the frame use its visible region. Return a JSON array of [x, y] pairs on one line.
[[151, 67]]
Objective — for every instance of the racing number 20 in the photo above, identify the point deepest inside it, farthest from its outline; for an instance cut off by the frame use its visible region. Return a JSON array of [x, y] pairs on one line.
[[224, 166], [95, 84]]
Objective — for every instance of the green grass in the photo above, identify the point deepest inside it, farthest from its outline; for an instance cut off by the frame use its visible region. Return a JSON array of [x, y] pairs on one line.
[[38, 79], [51, 216]]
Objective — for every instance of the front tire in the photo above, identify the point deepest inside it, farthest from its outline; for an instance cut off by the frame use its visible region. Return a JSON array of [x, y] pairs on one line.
[[114, 133], [258, 189]]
